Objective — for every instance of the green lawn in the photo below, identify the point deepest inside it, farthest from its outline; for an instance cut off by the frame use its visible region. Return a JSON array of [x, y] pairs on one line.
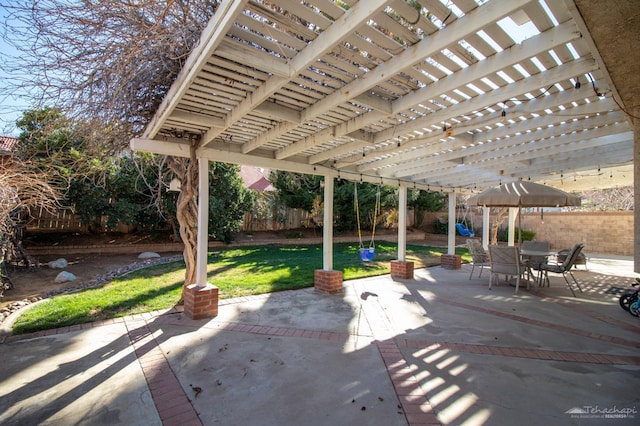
[[235, 271]]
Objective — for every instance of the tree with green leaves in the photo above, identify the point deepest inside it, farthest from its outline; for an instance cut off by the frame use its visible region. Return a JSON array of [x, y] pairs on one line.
[[122, 189], [345, 204], [49, 144], [229, 200], [300, 191], [297, 190], [424, 201]]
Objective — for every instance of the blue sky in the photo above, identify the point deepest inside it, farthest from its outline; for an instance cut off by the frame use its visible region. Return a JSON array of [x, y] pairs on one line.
[[11, 106]]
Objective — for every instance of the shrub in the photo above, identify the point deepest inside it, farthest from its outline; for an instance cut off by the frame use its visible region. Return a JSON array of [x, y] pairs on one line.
[[441, 226], [503, 235]]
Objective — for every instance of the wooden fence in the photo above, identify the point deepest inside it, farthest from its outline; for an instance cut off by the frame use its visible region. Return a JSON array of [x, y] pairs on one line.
[[601, 232], [64, 220]]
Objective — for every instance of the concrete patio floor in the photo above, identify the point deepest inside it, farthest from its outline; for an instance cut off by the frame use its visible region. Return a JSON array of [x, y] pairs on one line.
[[438, 349]]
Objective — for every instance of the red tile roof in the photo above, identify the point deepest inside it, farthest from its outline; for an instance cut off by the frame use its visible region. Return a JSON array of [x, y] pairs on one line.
[[262, 185], [7, 143], [256, 178]]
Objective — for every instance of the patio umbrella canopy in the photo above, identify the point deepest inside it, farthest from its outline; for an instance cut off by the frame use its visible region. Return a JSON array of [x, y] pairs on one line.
[[523, 194]]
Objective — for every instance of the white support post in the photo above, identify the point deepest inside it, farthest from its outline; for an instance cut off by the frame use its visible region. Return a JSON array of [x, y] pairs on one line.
[[402, 223], [327, 229], [451, 241], [203, 222], [485, 227], [513, 211]]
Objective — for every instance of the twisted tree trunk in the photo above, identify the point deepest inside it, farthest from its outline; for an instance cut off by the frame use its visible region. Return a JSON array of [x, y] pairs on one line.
[[497, 223], [187, 208]]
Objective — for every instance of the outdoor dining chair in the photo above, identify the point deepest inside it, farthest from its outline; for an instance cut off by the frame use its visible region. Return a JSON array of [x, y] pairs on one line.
[[561, 256], [479, 256], [505, 260], [564, 268]]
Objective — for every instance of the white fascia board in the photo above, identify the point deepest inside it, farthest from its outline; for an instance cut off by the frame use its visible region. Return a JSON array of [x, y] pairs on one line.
[[210, 39]]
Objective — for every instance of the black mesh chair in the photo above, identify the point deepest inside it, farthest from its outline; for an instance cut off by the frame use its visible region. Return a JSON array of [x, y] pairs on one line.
[[564, 268]]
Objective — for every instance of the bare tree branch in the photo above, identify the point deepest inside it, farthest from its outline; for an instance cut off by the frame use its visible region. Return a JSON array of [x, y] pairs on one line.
[[616, 199], [21, 191], [107, 62]]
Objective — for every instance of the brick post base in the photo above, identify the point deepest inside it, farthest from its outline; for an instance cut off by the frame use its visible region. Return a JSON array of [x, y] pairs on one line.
[[401, 269], [200, 302], [329, 282], [451, 261]]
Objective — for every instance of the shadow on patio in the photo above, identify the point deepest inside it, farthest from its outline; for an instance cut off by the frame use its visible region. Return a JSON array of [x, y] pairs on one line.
[[436, 349]]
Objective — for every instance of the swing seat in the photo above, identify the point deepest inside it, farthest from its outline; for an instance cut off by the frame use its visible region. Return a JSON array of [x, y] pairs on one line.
[[462, 230], [367, 254]]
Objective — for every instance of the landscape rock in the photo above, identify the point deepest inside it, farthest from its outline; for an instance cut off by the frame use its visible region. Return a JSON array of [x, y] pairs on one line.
[[99, 280], [58, 263], [64, 277], [148, 255]]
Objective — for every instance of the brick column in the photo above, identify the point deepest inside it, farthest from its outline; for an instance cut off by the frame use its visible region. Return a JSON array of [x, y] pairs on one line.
[[451, 261], [200, 302], [402, 269], [329, 282]]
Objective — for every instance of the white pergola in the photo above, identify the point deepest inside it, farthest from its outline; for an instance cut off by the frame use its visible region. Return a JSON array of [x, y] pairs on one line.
[[454, 96]]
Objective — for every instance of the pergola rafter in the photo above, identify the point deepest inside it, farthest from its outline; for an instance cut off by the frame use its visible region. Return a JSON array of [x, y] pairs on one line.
[[391, 89]]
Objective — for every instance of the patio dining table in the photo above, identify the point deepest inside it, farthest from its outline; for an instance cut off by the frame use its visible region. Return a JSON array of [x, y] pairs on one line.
[[543, 253], [527, 254]]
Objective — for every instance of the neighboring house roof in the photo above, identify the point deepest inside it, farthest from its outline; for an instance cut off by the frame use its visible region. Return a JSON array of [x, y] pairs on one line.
[[262, 185], [7, 143], [256, 178]]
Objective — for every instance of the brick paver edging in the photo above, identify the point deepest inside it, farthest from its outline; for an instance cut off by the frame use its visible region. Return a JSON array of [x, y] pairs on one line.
[[413, 399], [173, 405], [570, 305]]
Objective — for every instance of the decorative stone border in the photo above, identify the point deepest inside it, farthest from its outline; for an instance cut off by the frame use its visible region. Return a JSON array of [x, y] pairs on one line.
[[100, 279]]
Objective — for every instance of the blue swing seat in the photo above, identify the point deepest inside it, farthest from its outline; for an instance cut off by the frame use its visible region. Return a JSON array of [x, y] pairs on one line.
[[367, 254], [462, 230]]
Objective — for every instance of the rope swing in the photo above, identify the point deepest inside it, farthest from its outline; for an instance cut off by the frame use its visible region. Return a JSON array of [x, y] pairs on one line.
[[461, 225], [367, 254]]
